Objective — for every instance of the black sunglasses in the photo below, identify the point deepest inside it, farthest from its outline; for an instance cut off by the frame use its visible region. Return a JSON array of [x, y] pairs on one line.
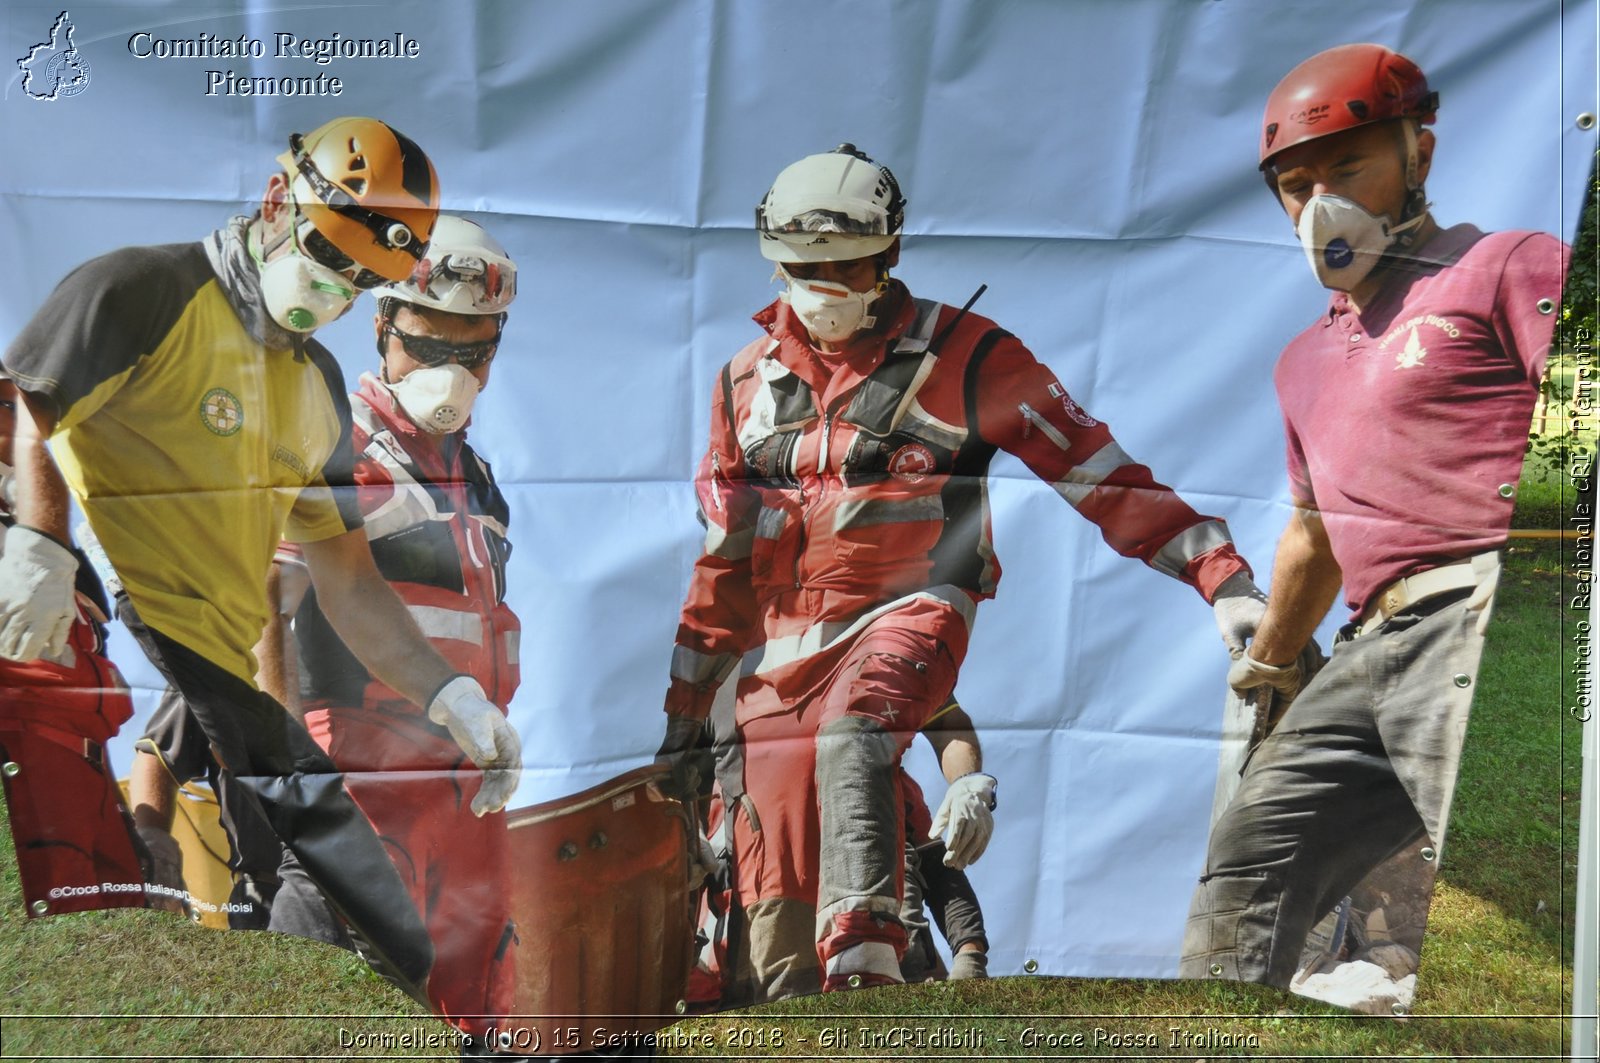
[[431, 351]]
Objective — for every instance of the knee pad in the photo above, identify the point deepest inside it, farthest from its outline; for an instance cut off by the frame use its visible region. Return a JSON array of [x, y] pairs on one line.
[[854, 748]]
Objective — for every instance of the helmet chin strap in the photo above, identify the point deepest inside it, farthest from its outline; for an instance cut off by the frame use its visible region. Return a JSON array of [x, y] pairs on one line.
[[1414, 212]]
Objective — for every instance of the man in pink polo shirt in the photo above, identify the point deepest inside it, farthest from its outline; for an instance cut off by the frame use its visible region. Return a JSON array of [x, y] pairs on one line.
[[1406, 406]]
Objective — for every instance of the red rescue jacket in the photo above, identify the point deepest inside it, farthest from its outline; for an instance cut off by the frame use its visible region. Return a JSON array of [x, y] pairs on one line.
[[834, 485]]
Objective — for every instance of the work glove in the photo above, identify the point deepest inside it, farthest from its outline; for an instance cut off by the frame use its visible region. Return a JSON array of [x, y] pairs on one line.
[[166, 858], [703, 862], [166, 867], [1238, 606], [968, 811], [485, 736], [1271, 689], [1287, 680], [37, 596], [682, 755]]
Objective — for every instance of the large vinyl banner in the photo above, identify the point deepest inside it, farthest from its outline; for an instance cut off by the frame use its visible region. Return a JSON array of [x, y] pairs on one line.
[[410, 402]]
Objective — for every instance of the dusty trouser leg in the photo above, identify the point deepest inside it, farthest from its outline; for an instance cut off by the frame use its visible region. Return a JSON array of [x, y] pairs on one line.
[[774, 843], [1318, 808], [416, 787], [302, 796], [861, 876], [953, 904], [885, 690], [1423, 716], [921, 962]]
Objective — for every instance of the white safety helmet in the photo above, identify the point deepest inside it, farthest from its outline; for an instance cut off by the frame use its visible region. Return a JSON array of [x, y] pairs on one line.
[[465, 271], [834, 207]]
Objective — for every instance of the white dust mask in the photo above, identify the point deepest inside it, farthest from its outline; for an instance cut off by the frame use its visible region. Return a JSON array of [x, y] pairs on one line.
[[302, 295], [1343, 241], [437, 398], [830, 312]]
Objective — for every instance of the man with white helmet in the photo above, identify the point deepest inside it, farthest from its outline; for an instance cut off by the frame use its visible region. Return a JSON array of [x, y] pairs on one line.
[[436, 522], [1406, 407], [847, 547], [197, 424]]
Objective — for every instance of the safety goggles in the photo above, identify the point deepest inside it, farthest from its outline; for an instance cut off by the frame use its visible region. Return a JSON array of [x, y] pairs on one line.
[[823, 220], [490, 281], [432, 351], [391, 234]]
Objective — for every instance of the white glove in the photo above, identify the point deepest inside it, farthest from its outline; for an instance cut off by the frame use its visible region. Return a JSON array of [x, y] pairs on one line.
[[37, 596], [484, 735], [1249, 674], [968, 810], [1238, 606]]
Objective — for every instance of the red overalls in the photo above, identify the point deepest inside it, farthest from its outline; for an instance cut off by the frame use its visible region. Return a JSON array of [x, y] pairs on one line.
[[847, 546]]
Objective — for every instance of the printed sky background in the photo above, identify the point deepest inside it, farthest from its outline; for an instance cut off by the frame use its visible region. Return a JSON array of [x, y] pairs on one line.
[[1093, 163]]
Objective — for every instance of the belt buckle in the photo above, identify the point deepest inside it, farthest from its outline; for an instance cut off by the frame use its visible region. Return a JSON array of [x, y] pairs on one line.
[[1393, 599]]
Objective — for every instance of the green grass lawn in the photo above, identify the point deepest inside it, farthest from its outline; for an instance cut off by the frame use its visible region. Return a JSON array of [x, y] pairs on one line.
[[1495, 978]]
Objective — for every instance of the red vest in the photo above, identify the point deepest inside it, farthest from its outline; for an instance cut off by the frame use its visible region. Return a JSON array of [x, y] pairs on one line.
[[437, 525]]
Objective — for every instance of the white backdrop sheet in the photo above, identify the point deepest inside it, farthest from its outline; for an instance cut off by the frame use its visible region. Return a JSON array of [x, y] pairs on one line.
[[1092, 162]]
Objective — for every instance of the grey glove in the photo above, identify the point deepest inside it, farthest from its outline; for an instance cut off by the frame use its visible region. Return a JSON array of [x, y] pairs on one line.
[[1238, 607], [166, 858], [681, 753], [165, 868], [703, 862]]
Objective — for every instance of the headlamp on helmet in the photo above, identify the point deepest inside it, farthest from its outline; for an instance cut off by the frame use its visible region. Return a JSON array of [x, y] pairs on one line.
[[368, 190]]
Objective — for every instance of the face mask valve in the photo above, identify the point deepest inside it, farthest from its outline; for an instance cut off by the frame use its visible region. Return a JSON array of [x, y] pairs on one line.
[[438, 399], [1343, 242]]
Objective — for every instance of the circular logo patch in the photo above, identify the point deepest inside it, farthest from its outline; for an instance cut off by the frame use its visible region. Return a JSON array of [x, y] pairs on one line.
[[1078, 414], [222, 412], [911, 463], [67, 74]]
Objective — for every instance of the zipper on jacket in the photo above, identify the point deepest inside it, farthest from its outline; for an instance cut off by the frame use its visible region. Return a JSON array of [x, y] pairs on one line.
[[800, 518], [1034, 418]]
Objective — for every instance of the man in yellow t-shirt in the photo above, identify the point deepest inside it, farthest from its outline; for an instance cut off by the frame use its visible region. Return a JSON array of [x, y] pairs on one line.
[[197, 424]]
